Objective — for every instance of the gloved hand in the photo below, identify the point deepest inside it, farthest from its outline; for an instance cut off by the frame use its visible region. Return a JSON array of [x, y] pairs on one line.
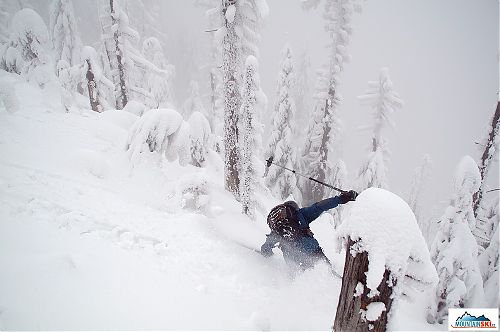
[[348, 196]]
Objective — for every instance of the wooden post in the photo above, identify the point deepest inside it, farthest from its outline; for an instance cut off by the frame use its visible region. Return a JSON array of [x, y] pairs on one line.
[[350, 309]]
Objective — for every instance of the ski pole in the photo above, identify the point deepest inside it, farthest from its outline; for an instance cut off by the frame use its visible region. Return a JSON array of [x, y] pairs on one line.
[[270, 161]]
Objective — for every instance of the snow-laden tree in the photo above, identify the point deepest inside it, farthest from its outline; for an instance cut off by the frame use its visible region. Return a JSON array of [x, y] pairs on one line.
[[420, 177], [318, 153], [116, 32], [486, 222], [337, 179], [200, 138], [301, 91], [488, 263], [238, 35], [162, 131], [88, 72], [4, 24], [489, 147], [193, 103], [216, 110], [145, 17], [64, 32], [27, 51], [384, 101], [99, 87], [454, 250], [158, 86], [280, 144], [321, 152], [250, 130], [127, 65]]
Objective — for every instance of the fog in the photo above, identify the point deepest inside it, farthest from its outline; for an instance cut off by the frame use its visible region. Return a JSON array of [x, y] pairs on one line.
[[442, 57]]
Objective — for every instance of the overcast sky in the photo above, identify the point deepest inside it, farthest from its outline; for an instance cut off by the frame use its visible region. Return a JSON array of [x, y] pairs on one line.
[[442, 57]]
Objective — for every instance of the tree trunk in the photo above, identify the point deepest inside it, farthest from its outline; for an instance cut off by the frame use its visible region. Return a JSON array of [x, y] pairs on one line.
[[486, 157], [122, 98], [232, 102], [91, 84], [349, 316]]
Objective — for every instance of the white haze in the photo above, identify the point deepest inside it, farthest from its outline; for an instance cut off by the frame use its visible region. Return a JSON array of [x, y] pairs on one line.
[[442, 57]]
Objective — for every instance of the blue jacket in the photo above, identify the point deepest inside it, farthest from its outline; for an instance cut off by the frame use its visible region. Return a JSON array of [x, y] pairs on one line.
[[305, 244]]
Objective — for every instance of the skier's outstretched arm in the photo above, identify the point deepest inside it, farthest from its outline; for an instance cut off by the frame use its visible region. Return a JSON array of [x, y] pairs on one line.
[[312, 212]]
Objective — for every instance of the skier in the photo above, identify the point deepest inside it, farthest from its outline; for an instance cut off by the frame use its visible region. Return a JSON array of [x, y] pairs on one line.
[[290, 230]]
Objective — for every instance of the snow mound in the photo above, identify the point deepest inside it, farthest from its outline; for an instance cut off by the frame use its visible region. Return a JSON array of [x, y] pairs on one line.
[[385, 227], [160, 130], [135, 108], [90, 162], [8, 97], [121, 119]]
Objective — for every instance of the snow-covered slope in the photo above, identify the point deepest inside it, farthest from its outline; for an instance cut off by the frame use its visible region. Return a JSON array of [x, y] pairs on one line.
[[90, 240]]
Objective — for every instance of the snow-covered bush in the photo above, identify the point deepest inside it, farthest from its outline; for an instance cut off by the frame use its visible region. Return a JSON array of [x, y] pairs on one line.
[[383, 225], [200, 136], [162, 131], [28, 47], [194, 192], [454, 250]]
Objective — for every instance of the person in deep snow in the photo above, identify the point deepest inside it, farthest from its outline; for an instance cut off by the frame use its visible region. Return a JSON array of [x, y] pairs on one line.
[[290, 230]]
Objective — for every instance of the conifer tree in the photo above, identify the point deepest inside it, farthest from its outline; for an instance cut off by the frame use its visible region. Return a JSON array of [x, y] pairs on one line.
[[4, 25], [384, 100], [64, 32], [200, 135], [420, 176], [250, 130], [301, 91], [318, 152], [239, 31], [127, 65], [282, 183], [157, 86], [454, 250], [193, 103], [113, 22], [488, 260], [489, 148], [98, 85]]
